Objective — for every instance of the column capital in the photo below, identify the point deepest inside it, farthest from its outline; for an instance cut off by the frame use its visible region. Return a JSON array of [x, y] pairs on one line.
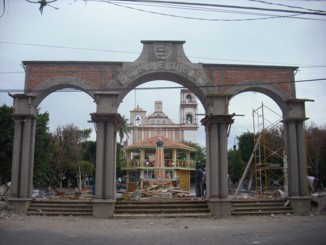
[[106, 117], [22, 117], [295, 119], [295, 110], [106, 102], [217, 119], [23, 106]]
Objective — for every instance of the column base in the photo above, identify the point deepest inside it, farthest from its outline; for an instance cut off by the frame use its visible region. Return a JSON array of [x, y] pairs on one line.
[[103, 209], [20, 204], [300, 205], [220, 207]]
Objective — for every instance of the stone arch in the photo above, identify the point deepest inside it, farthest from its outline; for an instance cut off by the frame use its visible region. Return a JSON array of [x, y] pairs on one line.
[[49, 86], [175, 77], [262, 87], [109, 82]]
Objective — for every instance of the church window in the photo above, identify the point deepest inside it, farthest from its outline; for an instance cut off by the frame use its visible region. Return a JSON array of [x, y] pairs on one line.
[[189, 98], [138, 120], [189, 119]]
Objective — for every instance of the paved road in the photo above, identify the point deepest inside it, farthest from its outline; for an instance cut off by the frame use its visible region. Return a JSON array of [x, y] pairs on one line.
[[33, 230]]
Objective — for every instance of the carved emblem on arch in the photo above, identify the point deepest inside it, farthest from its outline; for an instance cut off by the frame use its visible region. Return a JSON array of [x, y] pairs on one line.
[[163, 51]]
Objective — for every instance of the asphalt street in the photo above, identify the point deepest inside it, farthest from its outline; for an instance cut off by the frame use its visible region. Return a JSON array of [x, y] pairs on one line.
[[42, 230]]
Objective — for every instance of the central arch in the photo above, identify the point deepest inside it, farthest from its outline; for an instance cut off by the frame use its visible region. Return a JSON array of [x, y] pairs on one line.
[[109, 82]]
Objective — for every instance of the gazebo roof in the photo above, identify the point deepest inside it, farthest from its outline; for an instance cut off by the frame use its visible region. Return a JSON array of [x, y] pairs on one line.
[[151, 143]]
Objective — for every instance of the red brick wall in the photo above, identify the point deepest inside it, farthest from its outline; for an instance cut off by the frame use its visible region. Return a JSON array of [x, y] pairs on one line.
[[228, 76], [92, 73], [98, 74]]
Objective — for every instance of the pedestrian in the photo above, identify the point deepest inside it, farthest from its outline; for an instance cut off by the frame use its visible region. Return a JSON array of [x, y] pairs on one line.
[[204, 182], [199, 179]]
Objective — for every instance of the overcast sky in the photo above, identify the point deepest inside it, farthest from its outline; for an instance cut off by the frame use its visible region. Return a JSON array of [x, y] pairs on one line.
[[98, 31]]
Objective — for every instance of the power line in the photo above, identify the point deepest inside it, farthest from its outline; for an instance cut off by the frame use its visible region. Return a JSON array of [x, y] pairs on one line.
[[294, 14], [287, 6], [137, 53], [195, 6], [223, 6], [169, 87], [67, 47]]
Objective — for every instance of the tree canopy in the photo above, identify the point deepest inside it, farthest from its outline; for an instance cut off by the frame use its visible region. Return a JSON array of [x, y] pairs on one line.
[[6, 142]]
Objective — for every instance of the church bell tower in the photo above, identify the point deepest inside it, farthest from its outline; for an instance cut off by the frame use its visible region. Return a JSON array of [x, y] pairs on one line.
[[188, 115]]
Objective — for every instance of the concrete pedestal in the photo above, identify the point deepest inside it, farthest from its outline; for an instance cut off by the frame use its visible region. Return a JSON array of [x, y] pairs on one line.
[[103, 209], [20, 204], [300, 205], [220, 207]]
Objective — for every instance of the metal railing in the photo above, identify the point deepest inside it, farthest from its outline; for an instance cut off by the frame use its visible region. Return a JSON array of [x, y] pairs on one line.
[[168, 164]]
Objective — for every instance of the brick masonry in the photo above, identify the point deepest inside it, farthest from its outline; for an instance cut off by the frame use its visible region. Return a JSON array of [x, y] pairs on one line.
[[184, 179], [96, 74], [230, 76], [101, 75]]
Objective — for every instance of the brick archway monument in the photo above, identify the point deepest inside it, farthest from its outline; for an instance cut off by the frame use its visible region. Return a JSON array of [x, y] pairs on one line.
[[109, 82]]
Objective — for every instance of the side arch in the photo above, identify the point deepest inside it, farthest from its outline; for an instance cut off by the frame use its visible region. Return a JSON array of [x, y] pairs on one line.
[[269, 90], [52, 85]]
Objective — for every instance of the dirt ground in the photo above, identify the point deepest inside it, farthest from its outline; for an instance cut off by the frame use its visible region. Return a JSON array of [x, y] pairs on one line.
[[17, 229]]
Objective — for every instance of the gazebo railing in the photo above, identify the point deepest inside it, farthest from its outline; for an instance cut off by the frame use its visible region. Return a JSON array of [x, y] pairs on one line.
[[168, 164]]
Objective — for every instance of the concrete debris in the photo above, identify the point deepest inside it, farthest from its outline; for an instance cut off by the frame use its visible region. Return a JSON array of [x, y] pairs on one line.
[[5, 189], [318, 202], [62, 194], [7, 211], [287, 203], [158, 191], [279, 194], [164, 192]]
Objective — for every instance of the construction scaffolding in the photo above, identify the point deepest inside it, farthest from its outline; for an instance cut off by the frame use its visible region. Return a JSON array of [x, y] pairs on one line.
[[267, 165], [268, 156]]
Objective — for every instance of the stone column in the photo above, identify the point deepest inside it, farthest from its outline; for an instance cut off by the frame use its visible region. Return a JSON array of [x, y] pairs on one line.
[[174, 156], [159, 162], [142, 158], [188, 158], [23, 152], [216, 127], [296, 155], [217, 122], [107, 121]]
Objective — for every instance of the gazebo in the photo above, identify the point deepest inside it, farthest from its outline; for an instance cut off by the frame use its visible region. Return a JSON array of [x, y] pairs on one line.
[[158, 160]]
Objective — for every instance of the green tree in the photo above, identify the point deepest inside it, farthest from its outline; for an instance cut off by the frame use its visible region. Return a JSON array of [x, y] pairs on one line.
[[235, 165], [68, 150], [246, 145], [42, 156], [198, 156], [316, 152], [123, 129], [120, 157], [89, 151], [6, 142]]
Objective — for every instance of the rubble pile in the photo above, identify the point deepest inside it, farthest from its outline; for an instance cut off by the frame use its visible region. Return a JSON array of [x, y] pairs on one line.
[[157, 191], [63, 194], [7, 211], [5, 189], [318, 202]]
